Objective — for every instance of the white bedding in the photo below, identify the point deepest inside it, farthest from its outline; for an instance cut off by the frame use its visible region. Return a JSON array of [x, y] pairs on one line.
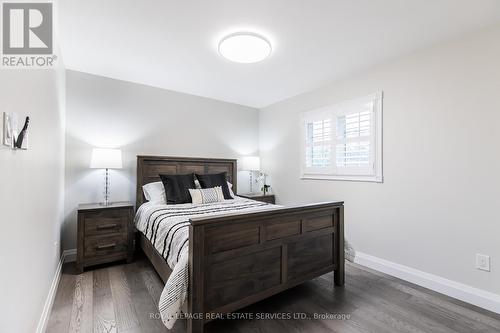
[[167, 228]]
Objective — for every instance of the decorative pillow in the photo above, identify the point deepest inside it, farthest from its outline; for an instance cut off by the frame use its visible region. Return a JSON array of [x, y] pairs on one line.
[[177, 188], [231, 193], [218, 179], [207, 195], [154, 192]]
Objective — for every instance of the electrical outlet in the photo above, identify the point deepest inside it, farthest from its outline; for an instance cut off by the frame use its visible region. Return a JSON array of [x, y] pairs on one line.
[[483, 262]]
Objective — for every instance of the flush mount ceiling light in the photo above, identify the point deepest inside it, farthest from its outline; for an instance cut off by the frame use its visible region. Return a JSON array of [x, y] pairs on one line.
[[244, 47]]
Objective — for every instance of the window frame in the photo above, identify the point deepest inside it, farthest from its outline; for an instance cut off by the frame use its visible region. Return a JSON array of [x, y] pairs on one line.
[[332, 112]]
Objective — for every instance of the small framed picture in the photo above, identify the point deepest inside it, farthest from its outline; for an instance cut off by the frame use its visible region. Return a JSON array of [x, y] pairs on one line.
[[10, 126], [14, 137]]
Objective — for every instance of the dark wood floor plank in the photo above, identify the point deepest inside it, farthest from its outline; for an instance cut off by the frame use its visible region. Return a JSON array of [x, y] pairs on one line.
[[151, 280], [104, 310], [61, 309], [429, 309], [393, 304], [82, 309], [154, 287], [145, 306], [126, 317], [452, 320], [370, 302], [426, 297]]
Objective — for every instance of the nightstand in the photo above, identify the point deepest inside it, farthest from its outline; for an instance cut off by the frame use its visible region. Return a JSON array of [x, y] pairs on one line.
[[269, 198], [105, 233]]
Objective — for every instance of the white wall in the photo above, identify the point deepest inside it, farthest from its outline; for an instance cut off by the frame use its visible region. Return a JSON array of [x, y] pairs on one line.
[[103, 112], [31, 196], [438, 205]]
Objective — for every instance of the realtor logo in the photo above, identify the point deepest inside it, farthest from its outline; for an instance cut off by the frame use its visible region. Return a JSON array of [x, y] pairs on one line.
[[27, 35], [27, 28]]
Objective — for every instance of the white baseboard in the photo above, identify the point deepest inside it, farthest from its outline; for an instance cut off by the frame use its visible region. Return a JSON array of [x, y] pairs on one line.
[[472, 295], [66, 256]]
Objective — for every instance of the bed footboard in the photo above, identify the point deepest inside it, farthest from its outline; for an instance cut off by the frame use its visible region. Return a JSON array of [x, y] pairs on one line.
[[238, 259]]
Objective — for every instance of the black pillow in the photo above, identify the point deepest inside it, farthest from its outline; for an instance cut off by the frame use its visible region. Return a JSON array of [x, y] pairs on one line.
[[177, 188], [218, 179]]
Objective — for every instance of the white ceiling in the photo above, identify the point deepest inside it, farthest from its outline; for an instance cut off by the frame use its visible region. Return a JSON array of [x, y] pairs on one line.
[[172, 44]]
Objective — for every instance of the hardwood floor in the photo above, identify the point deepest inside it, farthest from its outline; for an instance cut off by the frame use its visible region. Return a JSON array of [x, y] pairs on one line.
[[124, 298]]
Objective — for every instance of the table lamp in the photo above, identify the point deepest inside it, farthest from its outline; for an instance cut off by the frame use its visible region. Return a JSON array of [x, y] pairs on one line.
[[250, 164], [105, 158]]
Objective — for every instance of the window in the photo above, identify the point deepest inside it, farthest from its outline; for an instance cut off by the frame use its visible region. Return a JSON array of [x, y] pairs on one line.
[[318, 142], [344, 141]]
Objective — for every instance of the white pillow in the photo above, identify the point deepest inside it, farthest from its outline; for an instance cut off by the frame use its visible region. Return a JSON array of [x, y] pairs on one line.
[[198, 186], [155, 192], [206, 195], [231, 189]]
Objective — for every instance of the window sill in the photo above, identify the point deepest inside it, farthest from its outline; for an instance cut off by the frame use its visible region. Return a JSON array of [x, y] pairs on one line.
[[372, 179]]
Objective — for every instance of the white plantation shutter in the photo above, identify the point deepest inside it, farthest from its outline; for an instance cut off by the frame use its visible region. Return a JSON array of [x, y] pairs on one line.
[[354, 141], [344, 141], [318, 143]]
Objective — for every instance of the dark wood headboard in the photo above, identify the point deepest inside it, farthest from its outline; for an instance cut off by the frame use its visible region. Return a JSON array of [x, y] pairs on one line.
[[150, 167]]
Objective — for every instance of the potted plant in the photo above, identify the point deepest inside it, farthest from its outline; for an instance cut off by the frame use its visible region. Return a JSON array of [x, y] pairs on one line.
[[265, 187]]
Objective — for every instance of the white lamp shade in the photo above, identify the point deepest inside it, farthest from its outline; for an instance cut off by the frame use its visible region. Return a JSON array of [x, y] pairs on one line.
[[105, 158], [250, 163]]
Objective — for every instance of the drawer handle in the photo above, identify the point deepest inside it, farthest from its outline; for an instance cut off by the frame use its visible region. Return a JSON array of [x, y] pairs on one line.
[[107, 226], [106, 246]]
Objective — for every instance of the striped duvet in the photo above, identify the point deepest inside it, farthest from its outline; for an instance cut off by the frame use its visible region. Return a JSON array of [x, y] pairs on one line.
[[167, 228]]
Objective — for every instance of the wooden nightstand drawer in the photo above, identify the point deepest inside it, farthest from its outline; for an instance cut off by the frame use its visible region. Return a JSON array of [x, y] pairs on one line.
[[105, 233], [99, 225], [267, 198], [105, 245]]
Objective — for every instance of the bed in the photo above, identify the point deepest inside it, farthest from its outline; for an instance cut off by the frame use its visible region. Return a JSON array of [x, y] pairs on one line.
[[245, 252]]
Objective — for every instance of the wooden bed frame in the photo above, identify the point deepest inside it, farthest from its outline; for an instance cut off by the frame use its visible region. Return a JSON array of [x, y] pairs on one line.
[[239, 259]]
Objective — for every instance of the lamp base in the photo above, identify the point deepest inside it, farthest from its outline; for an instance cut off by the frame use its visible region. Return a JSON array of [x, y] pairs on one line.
[[106, 201]]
